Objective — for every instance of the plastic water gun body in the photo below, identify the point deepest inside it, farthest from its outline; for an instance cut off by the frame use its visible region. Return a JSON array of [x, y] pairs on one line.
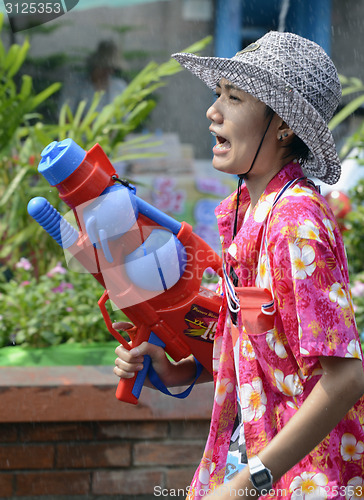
[[150, 265]]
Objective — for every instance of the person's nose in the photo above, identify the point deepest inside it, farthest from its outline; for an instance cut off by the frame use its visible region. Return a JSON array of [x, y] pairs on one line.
[[214, 114]]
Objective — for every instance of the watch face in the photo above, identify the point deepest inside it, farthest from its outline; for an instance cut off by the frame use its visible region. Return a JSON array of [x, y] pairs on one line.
[[261, 478]]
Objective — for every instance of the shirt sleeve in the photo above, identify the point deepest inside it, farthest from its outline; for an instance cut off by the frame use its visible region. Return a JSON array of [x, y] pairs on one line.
[[312, 289]]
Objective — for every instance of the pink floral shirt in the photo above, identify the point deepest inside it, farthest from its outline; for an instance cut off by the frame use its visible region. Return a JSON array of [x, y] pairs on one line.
[[279, 368]]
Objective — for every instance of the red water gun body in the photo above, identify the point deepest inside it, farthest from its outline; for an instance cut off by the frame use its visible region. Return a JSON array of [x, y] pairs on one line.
[[150, 265]]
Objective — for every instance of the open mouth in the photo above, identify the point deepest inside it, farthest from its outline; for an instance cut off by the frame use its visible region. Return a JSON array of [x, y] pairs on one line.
[[222, 143]]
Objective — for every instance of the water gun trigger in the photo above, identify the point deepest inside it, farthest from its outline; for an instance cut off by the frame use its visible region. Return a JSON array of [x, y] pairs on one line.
[[131, 332]]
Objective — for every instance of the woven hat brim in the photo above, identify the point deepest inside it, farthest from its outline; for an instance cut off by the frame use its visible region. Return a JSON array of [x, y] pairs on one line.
[[301, 117]]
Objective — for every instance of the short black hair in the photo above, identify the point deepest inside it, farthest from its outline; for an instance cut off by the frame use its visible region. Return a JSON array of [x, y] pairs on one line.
[[296, 147]]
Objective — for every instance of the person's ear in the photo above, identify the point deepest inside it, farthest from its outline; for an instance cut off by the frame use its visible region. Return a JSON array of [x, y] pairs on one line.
[[284, 132]]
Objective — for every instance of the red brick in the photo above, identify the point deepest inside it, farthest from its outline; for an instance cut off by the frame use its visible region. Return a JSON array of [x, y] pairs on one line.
[[132, 430], [179, 478], [8, 433], [87, 393], [41, 432], [6, 485], [126, 482], [93, 455], [189, 429], [171, 453], [53, 483], [26, 457]]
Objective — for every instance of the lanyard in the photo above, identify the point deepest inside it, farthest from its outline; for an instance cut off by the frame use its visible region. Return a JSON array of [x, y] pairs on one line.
[[231, 280]]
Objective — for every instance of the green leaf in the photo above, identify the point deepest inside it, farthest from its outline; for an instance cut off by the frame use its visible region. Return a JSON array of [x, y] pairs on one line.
[[346, 112], [45, 94], [13, 186], [200, 45], [351, 90], [20, 58], [79, 112], [91, 114], [26, 87], [18, 239], [104, 117], [11, 57]]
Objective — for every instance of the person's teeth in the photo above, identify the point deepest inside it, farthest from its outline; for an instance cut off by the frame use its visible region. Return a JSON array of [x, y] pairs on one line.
[[214, 133]]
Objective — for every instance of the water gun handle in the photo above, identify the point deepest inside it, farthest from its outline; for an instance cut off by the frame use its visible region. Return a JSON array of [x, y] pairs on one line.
[[129, 390]]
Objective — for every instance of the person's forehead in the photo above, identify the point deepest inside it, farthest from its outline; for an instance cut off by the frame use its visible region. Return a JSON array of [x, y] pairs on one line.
[[226, 84]]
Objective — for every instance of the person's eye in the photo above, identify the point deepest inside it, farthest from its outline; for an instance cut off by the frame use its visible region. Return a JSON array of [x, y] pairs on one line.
[[217, 95], [234, 98]]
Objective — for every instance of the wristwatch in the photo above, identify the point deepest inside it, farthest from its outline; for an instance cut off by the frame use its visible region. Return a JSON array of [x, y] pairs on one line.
[[260, 475]]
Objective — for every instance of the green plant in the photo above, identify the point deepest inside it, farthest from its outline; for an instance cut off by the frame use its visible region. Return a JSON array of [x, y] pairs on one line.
[[354, 243], [353, 87], [354, 236], [57, 307], [358, 299], [40, 308], [16, 101]]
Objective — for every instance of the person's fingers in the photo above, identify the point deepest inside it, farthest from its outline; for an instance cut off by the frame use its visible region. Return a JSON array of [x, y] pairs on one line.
[[122, 325], [129, 356], [131, 361], [126, 370], [145, 348], [122, 373]]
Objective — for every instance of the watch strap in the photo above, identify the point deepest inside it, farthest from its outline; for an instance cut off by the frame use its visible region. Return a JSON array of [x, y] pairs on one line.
[[255, 463], [256, 466]]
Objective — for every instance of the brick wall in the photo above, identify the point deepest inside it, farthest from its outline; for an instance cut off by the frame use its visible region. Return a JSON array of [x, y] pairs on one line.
[[98, 447], [98, 458]]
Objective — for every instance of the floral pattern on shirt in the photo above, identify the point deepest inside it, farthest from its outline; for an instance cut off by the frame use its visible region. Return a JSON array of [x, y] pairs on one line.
[[305, 263]]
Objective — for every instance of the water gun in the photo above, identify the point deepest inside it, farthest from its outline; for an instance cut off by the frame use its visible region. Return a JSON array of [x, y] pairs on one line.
[[150, 265]]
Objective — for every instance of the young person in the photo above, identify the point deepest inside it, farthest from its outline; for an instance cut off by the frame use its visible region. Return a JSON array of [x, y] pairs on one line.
[[290, 361]]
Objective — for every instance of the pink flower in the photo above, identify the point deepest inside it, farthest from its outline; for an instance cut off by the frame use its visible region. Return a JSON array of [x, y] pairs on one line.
[[24, 264], [62, 287], [25, 283], [58, 269], [358, 289]]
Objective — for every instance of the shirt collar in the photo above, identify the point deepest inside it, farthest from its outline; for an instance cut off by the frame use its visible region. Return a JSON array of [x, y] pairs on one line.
[[225, 212], [290, 171]]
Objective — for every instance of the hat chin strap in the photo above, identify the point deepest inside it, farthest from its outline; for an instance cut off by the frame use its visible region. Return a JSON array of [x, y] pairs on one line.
[[243, 176]]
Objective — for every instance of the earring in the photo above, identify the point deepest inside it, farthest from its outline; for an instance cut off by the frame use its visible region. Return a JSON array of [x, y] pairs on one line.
[[280, 138], [285, 134]]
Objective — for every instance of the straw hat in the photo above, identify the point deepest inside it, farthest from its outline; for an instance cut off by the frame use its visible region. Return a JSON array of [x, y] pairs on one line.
[[296, 78]]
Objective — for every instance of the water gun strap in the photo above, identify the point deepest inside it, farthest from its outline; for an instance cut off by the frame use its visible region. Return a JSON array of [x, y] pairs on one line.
[[158, 384]]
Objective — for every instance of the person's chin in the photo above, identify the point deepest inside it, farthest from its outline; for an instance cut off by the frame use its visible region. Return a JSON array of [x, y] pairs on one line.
[[222, 165]]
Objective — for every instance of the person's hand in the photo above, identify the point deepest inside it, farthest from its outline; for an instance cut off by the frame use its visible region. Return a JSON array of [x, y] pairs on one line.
[[239, 487], [228, 492], [129, 362]]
